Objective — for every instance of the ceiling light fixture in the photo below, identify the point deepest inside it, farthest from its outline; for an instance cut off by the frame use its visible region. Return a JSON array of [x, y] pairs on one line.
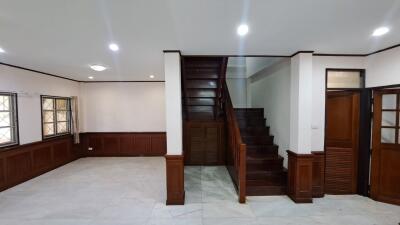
[[380, 31], [2, 50], [151, 76], [242, 30], [98, 68], [113, 47], [91, 78]]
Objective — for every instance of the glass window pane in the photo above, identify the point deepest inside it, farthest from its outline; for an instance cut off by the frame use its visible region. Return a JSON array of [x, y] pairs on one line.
[[5, 119], [61, 127], [48, 104], [344, 79], [388, 135], [389, 101], [62, 116], [5, 135], [388, 118], [48, 116], [61, 104], [48, 129], [4, 102]]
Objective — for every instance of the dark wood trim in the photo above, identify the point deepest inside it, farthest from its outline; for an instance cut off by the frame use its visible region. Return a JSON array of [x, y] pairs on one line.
[[175, 180], [24, 162], [298, 52], [132, 81], [300, 174], [382, 50], [318, 174], [340, 55], [37, 71], [385, 87], [172, 51], [216, 55]]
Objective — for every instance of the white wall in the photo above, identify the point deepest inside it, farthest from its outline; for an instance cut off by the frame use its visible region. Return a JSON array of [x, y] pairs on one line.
[[29, 86], [173, 115], [270, 89], [123, 107], [238, 91], [383, 68], [320, 64]]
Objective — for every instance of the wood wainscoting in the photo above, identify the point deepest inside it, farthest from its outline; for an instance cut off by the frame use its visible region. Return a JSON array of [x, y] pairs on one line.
[[300, 177], [318, 174], [21, 163], [125, 144], [175, 180]]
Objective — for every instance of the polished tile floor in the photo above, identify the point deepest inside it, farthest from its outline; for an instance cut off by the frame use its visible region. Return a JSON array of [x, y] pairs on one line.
[[131, 191]]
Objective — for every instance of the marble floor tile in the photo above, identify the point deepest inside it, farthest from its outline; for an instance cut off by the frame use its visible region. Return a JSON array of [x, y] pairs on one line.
[[132, 191]]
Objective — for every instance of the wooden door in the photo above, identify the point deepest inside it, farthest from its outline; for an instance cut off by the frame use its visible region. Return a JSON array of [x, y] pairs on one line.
[[385, 161], [341, 141], [204, 143]]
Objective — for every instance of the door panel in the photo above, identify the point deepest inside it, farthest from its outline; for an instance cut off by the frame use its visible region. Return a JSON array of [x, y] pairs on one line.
[[341, 142], [385, 167]]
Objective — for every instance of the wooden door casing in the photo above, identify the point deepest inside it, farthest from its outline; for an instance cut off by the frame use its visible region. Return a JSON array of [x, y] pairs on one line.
[[385, 161], [341, 141]]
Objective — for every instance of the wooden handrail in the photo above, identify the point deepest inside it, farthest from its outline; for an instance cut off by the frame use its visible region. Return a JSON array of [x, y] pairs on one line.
[[236, 148]]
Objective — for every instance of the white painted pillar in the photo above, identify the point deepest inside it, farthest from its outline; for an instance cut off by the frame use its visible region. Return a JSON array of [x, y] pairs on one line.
[[301, 103], [173, 98]]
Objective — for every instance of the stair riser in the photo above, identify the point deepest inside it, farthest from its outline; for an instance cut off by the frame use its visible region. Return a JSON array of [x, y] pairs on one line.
[[271, 166], [268, 181], [262, 148], [245, 133], [251, 123], [257, 191], [259, 141]]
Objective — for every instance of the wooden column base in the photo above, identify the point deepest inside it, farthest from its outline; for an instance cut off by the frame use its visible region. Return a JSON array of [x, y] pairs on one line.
[[300, 168], [175, 180]]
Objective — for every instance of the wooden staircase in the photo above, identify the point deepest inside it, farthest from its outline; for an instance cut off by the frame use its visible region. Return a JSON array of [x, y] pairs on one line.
[[202, 84], [265, 174]]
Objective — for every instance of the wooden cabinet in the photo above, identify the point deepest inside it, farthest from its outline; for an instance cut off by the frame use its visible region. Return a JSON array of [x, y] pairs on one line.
[[204, 143]]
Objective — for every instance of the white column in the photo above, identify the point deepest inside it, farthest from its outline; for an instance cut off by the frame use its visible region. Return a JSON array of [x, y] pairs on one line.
[[301, 103], [172, 69]]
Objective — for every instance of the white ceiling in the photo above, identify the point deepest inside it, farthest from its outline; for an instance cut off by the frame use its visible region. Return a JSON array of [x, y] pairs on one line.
[[64, 37]]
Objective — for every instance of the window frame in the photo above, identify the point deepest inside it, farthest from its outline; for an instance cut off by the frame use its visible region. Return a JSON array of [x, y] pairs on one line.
[[362, 76], [69, 118], [13, 119]]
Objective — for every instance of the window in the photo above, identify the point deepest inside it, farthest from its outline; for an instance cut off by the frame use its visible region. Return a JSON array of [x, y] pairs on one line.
[[56, 116], [8, 119], [345, 78]]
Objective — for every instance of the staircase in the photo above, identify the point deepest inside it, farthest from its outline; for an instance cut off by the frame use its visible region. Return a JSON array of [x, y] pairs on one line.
[[202, 87], [265, 174]]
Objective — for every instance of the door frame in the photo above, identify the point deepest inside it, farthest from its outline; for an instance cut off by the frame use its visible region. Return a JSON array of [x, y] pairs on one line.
[[364, 133]]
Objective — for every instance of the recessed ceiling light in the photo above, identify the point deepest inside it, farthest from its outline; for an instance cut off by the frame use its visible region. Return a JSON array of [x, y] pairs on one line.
[[242, 30], [91, 78], [98, 68], [113, 47], [151, 76], [2, 50], [380, 31]]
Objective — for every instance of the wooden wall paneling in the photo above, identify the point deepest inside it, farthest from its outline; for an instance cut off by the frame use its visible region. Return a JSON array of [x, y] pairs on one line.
[[175, 179], [42, 158], [158, 144], [300, 177], [2, 173], [126, 145], [318, 174], [111, 145], [19, 165], [61, 152], [142, 144]]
